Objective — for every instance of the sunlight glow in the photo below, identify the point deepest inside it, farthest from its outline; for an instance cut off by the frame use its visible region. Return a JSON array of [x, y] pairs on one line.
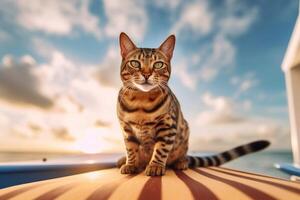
[[90, 161], [92, 175], [92, 141]]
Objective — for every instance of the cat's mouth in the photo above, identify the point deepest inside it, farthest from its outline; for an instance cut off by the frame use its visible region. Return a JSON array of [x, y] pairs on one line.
[[145, 87]]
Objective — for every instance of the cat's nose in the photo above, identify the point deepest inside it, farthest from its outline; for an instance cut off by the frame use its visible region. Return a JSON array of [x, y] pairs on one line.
[[146, 76]]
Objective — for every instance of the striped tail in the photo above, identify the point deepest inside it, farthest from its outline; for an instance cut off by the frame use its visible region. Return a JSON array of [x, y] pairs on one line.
[[226, 156]]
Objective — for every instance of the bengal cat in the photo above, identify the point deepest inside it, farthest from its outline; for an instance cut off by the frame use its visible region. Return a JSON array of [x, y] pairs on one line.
[[155, 132]]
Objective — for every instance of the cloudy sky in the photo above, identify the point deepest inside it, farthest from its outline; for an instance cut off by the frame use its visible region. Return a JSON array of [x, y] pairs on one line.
[[60, 62]]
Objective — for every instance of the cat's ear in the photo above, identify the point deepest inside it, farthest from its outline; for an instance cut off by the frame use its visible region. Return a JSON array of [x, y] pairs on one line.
[[167, 47], [126, 45]]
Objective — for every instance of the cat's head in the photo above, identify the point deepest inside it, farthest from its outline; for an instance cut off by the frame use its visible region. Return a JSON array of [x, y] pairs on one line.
[[145, 68]]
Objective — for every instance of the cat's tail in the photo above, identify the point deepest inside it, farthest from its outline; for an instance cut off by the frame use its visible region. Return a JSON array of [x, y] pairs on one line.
[[226, 156]]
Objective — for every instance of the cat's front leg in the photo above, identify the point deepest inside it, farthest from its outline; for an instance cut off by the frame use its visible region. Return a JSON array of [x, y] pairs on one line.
[[164, 143], [132, 153]]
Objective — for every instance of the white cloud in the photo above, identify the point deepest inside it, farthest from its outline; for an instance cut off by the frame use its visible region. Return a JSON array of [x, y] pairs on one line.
[[64, 18], [108, 72], [246, 105], [221, 137], [79, 101], [235, 25], [196, 18], [57, 17], [221, 55], [217, 57], [221, 110], [129, 16], [19, 85], [62, 133], [180, 71], [4, 123], [42, 47], [234, 19], [207, 64], [246, 85], [277, 109], [217, 103], [7, 60], [234, 80], [167, 4], [28, 60], [244, 82], [224, 123]]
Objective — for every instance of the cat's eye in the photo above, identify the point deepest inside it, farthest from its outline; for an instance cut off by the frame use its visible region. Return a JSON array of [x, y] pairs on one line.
[[158, 65], [135, 64]]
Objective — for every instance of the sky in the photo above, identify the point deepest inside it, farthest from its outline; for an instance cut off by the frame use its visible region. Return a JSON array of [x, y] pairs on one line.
[[59, 71]]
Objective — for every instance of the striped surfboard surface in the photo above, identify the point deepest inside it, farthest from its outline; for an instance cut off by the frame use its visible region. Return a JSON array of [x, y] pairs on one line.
[[201, 183]]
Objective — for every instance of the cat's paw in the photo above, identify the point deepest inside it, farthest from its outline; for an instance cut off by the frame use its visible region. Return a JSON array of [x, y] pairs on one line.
[[121, 161], [129, 169], [155, 170], [182, 164]]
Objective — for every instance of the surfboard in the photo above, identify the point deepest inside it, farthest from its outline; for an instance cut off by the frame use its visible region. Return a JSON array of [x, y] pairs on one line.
[[288, 168], [201, 183]]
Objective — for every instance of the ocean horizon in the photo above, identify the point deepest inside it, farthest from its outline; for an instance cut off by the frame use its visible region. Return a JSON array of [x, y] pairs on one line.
[[261, 162]]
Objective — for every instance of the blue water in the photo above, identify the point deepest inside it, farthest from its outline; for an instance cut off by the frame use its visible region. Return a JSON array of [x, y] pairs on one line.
[[262, 162]]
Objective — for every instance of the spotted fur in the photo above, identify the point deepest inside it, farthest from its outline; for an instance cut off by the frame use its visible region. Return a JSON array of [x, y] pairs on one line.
[[155, 132]]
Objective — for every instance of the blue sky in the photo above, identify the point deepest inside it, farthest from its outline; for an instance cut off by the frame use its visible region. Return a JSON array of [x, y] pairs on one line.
[[60, 64]]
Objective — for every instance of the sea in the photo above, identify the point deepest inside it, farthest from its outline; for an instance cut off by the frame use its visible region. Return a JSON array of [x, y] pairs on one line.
[[262, 162]]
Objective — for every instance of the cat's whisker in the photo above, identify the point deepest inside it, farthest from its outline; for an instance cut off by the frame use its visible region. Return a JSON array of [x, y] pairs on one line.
[[127, 86], [161, 88]]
